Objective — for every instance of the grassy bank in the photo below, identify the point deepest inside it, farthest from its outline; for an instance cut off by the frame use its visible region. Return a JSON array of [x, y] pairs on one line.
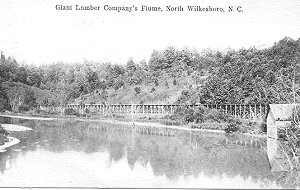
[[195, 118]]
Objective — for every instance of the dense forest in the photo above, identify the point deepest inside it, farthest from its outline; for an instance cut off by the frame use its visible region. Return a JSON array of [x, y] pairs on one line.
[[248, 76]]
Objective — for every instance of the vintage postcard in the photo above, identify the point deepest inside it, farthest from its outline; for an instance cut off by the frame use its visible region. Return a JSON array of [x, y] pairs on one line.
[[150, 94]]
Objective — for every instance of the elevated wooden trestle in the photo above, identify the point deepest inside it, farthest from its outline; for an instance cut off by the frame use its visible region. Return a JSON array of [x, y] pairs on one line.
[[246, 111]]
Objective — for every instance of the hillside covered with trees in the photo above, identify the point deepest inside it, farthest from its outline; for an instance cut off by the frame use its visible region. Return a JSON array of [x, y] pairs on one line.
[[185, 76]]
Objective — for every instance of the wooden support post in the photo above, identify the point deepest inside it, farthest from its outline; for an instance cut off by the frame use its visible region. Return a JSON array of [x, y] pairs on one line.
[[265, 112], [250, 112], [244, 113], [260, 112], [235, 110], [226, 108], [255, 113]]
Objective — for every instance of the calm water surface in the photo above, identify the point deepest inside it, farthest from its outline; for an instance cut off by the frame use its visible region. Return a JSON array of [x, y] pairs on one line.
[[90, 154]]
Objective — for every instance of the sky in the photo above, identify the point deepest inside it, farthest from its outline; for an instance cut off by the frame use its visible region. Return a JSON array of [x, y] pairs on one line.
[[34, 32]]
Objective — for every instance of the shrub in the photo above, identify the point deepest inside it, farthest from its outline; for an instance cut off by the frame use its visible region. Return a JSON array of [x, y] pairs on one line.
[[3, 131], [104, 95], [263, 127], [218, 116], [174, 82], [199, 115], [23, 108], [188, 116], [296, 116], [86, 111], [137, 90], [118, 84], [37, 110], [167, 84], [70, 111], [171, 123], [231, 128], [4, 105], [152, 90]]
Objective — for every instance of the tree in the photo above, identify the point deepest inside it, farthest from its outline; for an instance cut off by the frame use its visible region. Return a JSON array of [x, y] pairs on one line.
[[114, 74], [21, 97], [156, 62], [34, 78], [144, 65], [170, 56], [4, 101], [130, 66], [118, 83]]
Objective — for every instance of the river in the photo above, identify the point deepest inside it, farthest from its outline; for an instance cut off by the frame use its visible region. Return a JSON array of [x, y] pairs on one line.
[[93, 154]]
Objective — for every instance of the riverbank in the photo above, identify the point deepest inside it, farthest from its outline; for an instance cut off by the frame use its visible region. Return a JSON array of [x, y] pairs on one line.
[[6, 140], [132, 122], [10, 142], [200, 118]]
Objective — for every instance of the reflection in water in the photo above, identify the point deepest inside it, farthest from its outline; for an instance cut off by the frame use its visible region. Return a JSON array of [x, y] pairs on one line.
[[78, 154]]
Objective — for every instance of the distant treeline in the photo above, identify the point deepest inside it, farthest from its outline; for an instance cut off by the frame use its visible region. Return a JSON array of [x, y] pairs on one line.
[[243, 76]]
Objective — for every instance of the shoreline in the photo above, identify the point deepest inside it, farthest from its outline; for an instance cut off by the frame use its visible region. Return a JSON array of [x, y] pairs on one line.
[[27, 117], [11, 141], [114, 121]]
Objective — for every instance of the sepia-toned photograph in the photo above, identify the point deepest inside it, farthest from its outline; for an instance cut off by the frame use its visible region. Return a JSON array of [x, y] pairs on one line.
[[150, 94]]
